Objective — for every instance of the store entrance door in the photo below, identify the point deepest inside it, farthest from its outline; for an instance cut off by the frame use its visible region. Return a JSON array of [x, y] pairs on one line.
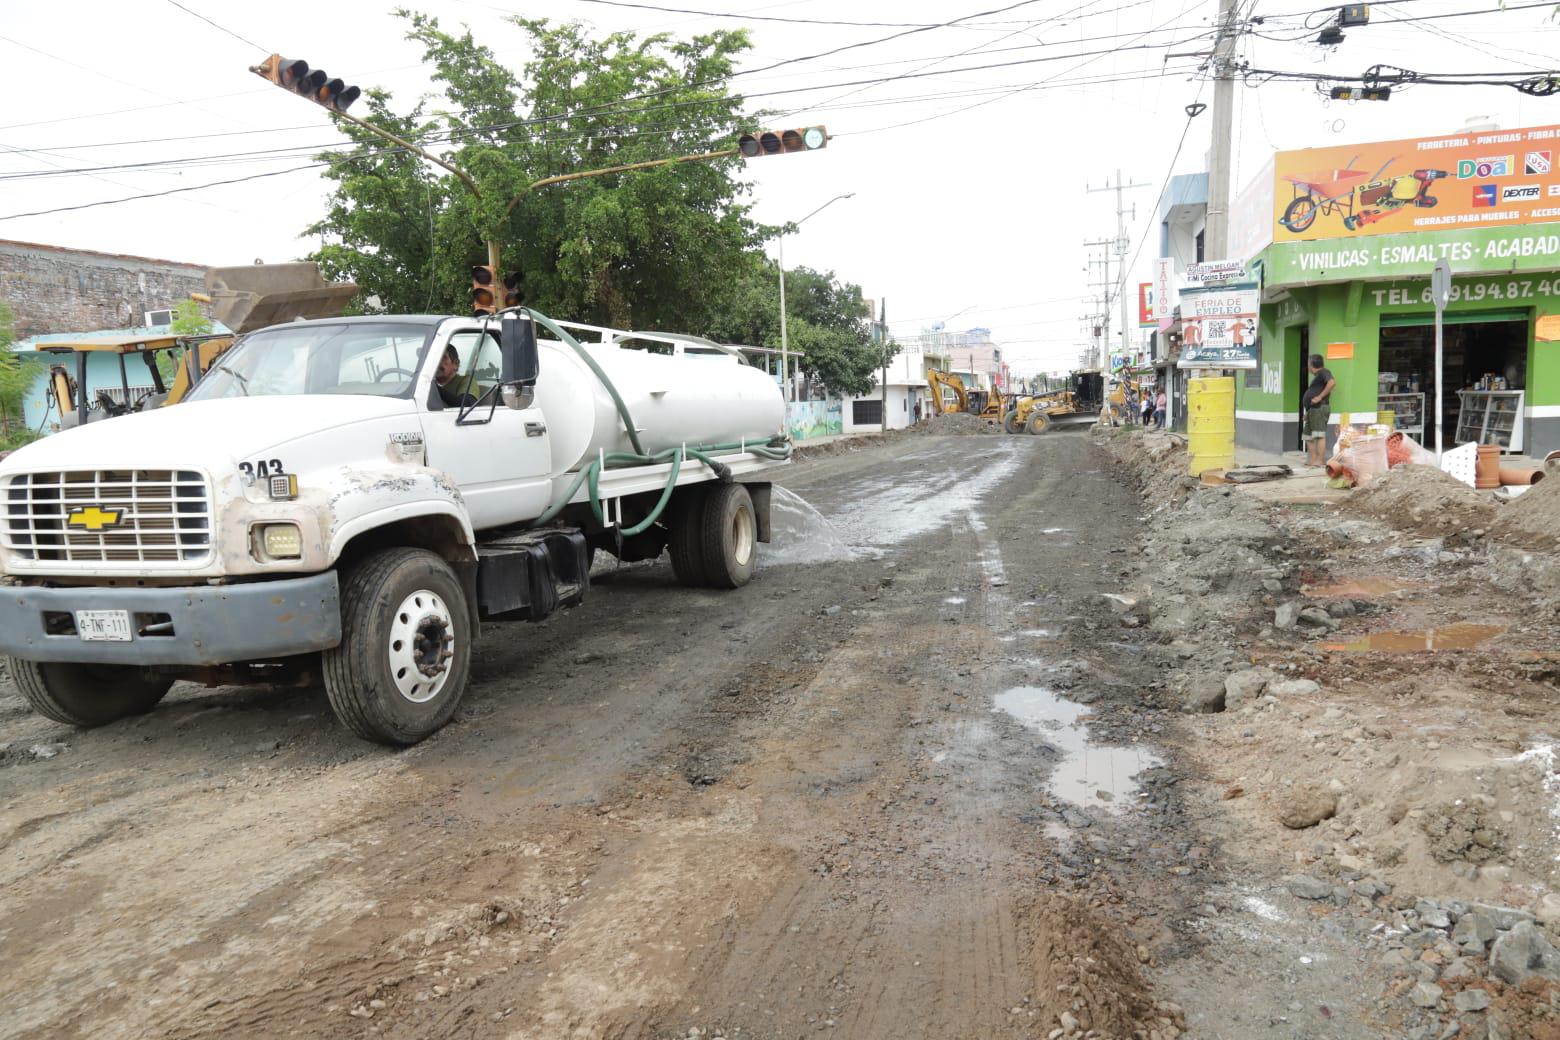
[[1297, 353], [1490, 352]]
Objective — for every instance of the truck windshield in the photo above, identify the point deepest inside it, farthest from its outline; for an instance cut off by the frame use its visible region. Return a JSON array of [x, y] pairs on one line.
[[368, 359]]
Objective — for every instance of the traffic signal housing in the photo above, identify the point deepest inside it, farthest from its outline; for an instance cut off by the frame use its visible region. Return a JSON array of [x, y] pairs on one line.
[[513, 294], [781, 142], [317, 85], [483, 282], [1360, 93]]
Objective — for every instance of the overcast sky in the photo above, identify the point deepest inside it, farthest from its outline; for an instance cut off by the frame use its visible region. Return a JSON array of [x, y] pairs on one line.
[[971, 197]]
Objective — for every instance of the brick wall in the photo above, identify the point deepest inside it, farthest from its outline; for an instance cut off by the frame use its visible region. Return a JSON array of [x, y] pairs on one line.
[[52, 289]]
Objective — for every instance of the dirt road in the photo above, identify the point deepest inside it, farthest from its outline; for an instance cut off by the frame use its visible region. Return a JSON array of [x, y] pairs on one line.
[[836, 802]]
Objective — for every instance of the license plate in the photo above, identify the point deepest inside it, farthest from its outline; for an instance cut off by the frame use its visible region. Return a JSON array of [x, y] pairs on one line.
[[98, 626]]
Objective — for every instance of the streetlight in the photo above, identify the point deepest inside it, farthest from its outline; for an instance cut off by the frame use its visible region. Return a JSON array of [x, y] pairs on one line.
[[785, 377]]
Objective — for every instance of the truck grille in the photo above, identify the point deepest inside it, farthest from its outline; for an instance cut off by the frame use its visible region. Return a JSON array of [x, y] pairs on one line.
[[109, 516]]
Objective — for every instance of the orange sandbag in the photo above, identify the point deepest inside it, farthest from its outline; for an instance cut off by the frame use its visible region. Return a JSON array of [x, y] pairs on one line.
[[1402, 450]]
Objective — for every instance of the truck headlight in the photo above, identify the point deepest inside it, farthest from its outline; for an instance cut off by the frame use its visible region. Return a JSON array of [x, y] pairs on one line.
[[280, 541]]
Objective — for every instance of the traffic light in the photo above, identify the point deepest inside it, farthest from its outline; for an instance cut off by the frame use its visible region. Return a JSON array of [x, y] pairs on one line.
[[1360, 93], [513, 297], [779, 142], [295, 75], [482, 281]]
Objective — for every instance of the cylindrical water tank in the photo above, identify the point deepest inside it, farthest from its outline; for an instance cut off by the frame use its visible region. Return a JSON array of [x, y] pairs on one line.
[[674, 400]]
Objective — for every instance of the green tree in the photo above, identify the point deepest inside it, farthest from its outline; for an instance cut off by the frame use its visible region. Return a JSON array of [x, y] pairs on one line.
[[189, 320], [827, 322], [17, 377], [651, 248]]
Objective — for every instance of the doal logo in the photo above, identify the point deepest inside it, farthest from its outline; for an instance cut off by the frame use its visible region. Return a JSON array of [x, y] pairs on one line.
[[1519, 193], [1489, 166], [1537, 164], [1484, 195]]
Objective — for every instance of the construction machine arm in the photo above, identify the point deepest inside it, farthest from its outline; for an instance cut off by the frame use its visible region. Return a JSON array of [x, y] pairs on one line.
[[941, 381]]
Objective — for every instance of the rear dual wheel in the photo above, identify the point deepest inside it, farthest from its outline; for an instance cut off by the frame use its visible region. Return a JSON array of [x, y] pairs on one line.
[[714, 536]]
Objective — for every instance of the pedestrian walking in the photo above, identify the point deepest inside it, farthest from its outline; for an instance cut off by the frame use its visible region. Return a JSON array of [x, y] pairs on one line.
[[1317, 401], [1161, 408]]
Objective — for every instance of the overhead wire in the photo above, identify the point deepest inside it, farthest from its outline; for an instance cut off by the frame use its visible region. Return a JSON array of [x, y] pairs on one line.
[[214, 25]]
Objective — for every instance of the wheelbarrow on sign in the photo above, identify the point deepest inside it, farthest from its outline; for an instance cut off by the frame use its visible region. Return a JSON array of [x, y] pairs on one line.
[[1323, 193]]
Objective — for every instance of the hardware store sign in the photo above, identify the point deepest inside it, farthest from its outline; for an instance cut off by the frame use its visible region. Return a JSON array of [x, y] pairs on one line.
[[1470, 180], [1482, 251], [1219, 327]]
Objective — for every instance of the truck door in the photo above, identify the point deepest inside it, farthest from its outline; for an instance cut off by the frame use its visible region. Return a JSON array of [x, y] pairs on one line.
[[500, 457]]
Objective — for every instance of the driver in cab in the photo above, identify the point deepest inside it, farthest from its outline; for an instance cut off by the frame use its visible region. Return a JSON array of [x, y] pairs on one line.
[[446, 379]]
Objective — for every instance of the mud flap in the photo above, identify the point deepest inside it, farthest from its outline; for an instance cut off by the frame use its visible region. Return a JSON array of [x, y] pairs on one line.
[[760, 492], [529, 581]]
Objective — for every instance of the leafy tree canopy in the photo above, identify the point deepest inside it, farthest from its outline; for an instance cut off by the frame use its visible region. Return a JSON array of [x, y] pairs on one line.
[[650, 249], [827, 322], [189, 320]]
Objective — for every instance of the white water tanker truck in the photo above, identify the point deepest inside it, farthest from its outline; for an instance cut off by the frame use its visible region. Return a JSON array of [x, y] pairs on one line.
[[328, 504]]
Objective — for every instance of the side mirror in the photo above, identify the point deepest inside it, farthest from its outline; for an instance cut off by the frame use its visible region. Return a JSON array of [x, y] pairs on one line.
[[517, 343]]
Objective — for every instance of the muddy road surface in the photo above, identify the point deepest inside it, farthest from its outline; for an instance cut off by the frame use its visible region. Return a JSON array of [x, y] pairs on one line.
[[841, 801]]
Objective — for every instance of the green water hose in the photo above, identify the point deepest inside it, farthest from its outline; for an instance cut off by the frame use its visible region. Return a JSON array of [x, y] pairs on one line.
[[778, 448], [622, 408]]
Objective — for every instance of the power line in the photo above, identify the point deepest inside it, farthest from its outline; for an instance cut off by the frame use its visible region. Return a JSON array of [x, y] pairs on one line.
[[759, 17], [214, 25], [289, 129], [159, 194], [450, 136]]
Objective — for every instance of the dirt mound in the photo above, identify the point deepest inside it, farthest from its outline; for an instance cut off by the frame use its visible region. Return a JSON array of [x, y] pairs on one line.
[[958, 423], [1425, 501], [1532, 520], [1088, 971]]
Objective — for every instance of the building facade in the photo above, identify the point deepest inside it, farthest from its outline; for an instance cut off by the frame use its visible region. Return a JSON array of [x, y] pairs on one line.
[[1347, 275]]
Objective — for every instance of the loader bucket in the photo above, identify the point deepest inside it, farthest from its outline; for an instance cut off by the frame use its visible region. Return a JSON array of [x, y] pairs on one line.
[[255, 296]]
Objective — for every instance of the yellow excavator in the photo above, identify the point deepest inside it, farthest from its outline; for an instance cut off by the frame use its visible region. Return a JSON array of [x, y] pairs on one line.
[[242, 298], [983, 404]]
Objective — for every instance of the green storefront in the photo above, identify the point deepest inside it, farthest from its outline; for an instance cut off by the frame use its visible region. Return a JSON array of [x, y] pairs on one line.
[[1364, 304]]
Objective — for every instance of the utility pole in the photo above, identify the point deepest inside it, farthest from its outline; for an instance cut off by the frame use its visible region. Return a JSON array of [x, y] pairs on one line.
[[883, 355], [1108, 287], [1217, 229], [1121, 245]]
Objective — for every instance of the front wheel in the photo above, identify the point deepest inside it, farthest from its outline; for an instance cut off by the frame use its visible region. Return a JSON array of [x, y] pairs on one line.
[[1038, 423], [1012, 424], [87, 695], [405, 653]]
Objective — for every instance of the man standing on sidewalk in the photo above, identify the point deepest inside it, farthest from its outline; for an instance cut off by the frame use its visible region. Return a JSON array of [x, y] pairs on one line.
[[1318, 409]]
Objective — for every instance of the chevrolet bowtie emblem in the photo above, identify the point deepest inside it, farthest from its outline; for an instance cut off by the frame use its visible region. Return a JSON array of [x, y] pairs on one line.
[[92, 518]]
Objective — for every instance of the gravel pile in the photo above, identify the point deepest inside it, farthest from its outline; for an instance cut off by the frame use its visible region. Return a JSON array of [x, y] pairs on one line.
[[1426, 501], [959, 423]]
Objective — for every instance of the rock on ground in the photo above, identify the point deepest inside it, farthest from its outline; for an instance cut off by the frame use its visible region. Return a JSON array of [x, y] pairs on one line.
[[1306, 806]]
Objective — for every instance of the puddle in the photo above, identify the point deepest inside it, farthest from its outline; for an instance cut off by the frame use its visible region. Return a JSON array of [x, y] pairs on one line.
[[800, 533], [1449, 637], [1055, 530], [878, 512], [1086, 768], [1361, 588], [954, 601]]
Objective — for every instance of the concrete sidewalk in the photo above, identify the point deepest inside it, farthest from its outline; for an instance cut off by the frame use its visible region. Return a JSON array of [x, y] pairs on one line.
[[1304, 487]]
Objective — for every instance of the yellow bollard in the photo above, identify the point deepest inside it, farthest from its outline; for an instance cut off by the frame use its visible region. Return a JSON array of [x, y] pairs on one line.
[[1210, 423]]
